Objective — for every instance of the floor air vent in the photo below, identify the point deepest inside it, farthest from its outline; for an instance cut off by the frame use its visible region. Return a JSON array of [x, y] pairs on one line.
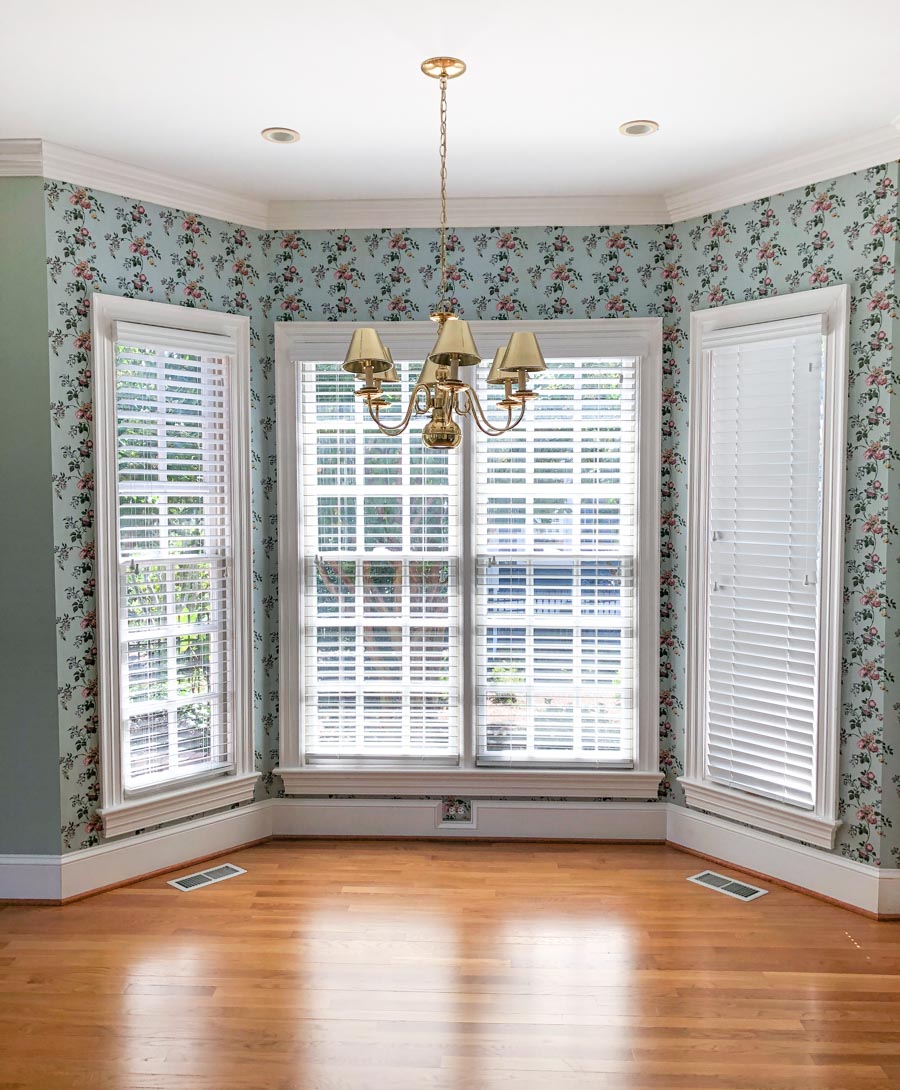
[[729, 886], [206, 877]]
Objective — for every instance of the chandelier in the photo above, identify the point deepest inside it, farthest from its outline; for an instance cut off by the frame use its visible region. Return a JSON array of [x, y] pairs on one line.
[[439, 391]]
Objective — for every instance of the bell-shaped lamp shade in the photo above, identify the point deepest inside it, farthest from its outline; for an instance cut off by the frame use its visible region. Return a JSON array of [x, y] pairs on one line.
[[455, 344], [497, 376], [366, 350], [523, 353]]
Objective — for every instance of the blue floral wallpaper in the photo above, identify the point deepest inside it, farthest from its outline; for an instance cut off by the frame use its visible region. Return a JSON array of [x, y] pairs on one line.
[[845, 230]]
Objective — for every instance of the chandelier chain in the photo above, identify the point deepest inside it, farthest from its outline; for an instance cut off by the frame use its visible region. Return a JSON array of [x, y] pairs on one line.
[[443, 305]]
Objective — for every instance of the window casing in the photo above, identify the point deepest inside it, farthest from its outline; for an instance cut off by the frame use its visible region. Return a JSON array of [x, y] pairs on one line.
[[486, 625], [171, 406], [768, 408]]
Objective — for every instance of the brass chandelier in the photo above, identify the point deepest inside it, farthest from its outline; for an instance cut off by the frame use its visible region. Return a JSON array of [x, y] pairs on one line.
[[439, 391]]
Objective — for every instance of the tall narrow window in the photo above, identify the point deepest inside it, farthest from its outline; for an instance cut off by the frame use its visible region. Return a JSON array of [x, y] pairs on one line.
[[763, 552], [489, 611], [556, 540], [380, 559], [173, 559]]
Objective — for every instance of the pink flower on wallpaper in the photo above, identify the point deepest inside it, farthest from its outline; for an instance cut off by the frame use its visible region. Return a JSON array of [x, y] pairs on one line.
[[670, 271], [80, 199], [882, 226], [670, 396], [240, 268], [876, 377], [191, 258], [717, 230], [671, 334], [506, 242], [83, 342], [873, 525], [875, 452], [506, 304], [870, 598], [138, 213], [615, 305], [190, 223], [616, 241], [289, 304], [397, 242], [342, 272], [139, 246], [870, 671], [819, 275], [822, 203], [82, 271], [398, 304], [192, 290], [867, 814], [289, 241], [289, 275], [560, 272], [716, 295], [867, 742], [766, 252], [879, 301], [85, 411]]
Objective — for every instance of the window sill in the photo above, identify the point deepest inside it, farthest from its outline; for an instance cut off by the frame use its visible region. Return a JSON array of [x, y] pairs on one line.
[[186, 802], [505, 783], [774, 817]]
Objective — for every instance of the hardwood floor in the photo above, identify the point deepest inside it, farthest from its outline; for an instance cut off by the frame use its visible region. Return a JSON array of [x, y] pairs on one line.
[[418, 966]]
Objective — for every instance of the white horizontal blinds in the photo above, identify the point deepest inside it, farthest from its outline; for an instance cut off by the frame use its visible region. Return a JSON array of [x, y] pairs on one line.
[[380, 567], [765, 475], [175, 552], [556, 542]]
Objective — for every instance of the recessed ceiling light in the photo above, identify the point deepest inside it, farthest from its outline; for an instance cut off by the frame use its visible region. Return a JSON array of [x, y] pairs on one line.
[[638, 128], [280, 135]]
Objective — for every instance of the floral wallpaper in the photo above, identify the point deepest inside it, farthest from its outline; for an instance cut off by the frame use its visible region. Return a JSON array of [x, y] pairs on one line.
[[845, 230]]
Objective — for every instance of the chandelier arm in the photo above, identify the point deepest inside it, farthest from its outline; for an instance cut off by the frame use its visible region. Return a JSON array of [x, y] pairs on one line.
[[480, 417], [400, 428]]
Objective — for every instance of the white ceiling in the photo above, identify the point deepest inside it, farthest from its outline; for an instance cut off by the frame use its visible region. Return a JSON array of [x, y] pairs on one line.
[[184, 88]]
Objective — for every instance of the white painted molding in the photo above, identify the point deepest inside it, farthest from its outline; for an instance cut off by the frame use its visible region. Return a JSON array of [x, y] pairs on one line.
[[872, 889], [313, 780], [30, 878], [881, 145], [41, 158], [470, 212], [492, 819], [134, 814], [54, 877]]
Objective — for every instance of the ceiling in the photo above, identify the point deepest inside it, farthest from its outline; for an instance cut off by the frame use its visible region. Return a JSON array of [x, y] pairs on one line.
[[185, 87]]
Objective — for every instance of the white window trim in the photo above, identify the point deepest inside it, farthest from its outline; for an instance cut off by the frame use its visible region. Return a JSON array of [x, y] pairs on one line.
[[819, 826], [296, 342], [121, 811]]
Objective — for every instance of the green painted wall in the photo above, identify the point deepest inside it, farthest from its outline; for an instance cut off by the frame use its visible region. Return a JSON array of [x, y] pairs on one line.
[[29, 716]]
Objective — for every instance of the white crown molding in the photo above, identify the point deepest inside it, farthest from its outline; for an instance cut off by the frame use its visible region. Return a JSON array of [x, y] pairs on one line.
[[41, 158], [868, 150], [470, 212]]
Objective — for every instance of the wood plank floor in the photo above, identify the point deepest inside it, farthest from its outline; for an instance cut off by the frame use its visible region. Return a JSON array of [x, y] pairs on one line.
[[419, 966]]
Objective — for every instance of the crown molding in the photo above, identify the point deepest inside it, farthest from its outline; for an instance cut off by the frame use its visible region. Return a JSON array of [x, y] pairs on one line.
[[881, 145], [470, 212], [41, 158]]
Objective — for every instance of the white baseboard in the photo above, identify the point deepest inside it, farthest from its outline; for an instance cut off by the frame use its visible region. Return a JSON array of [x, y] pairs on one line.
[[869, 888], [58, 877], [30, 878], [55, 877], [491, 819]]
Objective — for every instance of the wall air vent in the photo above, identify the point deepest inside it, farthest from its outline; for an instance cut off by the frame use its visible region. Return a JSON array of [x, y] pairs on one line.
[[206, 877], [729, 886]]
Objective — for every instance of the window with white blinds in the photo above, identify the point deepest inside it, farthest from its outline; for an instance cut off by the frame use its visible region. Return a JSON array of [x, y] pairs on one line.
[[555, 538], [175, 580], [765, 479], [477, 607], [765, 566], [380, 551]]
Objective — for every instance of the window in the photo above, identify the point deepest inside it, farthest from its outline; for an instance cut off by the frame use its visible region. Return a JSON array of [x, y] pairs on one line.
[[172, 409], [452, 615], [767, 408]]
